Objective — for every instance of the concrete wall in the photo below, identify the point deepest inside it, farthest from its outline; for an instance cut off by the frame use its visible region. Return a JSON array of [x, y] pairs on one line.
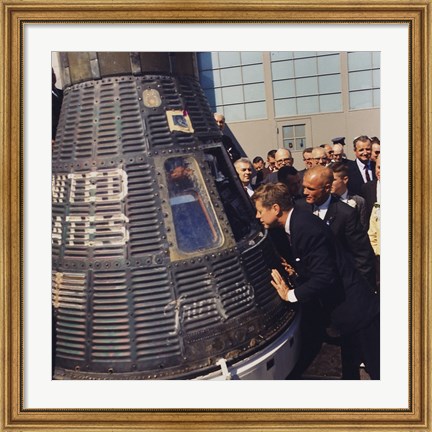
[[258, 137]]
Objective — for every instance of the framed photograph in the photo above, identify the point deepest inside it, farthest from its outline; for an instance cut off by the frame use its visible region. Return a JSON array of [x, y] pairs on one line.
[[32, 31]]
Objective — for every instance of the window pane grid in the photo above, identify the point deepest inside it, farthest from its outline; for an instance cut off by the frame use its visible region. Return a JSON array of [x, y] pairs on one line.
[[364, 79], [294, 137], [300, 79], [234, 83]]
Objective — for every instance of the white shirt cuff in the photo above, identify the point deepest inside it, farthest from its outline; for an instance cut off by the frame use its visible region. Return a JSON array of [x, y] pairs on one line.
[[291, 296]]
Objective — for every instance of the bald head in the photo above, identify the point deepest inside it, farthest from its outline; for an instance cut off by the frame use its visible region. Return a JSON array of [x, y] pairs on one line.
[[319, 156], [317, 182], [283, 158], [338, 152], [324, 174]]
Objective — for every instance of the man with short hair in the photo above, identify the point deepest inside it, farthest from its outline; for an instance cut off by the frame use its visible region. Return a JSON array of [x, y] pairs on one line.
[[283, 157], [338, 153], [243, 167], [342, 219], [271, 164], [329, 151], [307, 157], [376, 150], [323, 276], [271, 160], [362, 169], [340, 189], [258, 163], [319, 157], [258, 177]]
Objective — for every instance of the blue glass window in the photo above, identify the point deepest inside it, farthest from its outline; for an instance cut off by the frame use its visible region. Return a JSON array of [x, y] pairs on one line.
[[194, 220]]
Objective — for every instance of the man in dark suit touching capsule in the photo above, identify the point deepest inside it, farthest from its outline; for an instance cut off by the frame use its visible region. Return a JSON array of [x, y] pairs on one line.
[[324, 274]]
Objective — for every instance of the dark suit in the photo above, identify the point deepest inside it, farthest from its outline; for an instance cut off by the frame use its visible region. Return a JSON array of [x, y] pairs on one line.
[[231, 149], [344, 222], [355, 178], [327, 276], [271, 178], [369, 193]]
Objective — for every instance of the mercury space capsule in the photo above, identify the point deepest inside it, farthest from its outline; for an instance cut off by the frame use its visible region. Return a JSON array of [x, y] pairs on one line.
[[159, 267]]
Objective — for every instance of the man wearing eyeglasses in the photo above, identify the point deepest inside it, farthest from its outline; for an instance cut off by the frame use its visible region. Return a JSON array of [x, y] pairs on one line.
[[362, 169], [283, 158], [329, 151], [339, 154], [343, 220], [319, 157]]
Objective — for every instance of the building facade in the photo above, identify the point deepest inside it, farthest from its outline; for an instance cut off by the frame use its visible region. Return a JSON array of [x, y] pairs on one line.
[[293, 99]]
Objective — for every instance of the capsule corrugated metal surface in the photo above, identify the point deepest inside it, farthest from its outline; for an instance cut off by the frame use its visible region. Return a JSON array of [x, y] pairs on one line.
[[159, 266]]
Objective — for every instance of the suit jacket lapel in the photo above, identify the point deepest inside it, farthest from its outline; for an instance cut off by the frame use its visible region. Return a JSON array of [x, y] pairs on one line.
[[332, 210]]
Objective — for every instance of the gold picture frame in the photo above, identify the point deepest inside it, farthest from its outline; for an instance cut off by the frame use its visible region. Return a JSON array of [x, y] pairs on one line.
[[15, 14]]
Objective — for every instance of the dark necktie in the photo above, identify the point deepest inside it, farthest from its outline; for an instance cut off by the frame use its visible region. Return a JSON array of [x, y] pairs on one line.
[[368, 179]]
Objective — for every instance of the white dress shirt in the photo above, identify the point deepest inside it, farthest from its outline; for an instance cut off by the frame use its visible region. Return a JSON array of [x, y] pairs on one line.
[[321, 210], [361, 167], [249, 190]]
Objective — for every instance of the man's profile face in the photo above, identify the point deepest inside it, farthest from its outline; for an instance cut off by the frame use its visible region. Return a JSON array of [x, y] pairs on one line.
[[267, 216], [315, 189], [339, 184], [363, 150]]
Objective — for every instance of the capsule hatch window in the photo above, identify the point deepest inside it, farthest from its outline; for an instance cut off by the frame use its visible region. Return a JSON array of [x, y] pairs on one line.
[[194, 220]]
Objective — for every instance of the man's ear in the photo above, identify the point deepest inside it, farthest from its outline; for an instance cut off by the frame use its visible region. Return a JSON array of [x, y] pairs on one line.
[[276, 208]]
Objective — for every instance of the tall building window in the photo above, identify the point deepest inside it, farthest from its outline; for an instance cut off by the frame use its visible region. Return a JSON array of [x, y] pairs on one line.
[[364, 79], [305, 82], [234, 84]]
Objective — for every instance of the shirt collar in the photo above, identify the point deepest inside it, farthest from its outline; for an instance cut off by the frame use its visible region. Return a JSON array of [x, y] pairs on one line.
[[344, 196], [324, 205], [287, 223], [361, 165]]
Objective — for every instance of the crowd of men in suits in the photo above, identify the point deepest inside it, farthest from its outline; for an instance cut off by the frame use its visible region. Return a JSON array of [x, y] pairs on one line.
[[324, 221]]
